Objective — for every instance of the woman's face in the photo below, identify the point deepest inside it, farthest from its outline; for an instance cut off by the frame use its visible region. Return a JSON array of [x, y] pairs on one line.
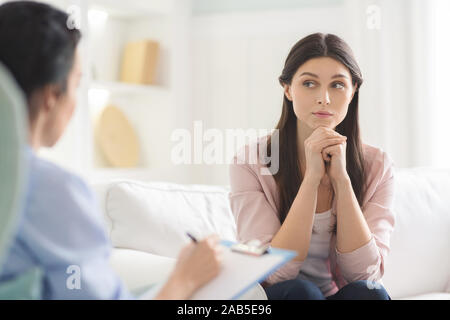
[[321, 91], [65, 103]]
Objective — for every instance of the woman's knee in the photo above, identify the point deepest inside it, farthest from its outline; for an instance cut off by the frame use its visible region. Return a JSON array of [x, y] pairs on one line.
[[368, 290], [295, 289]]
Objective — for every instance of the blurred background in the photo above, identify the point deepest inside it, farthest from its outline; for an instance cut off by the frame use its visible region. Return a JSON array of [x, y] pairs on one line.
[[217, 62]]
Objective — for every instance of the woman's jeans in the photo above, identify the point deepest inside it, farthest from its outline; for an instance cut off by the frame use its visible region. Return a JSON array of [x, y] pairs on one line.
[[297, 289]]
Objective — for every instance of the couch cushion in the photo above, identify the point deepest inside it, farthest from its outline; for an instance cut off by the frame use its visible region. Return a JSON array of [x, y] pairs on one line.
[[419, 260], [154, 217]]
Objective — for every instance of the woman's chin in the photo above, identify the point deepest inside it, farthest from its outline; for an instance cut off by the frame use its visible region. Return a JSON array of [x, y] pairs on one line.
[[326, 124], [317, 123]]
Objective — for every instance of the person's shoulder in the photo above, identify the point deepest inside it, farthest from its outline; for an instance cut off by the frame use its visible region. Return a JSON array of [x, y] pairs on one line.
[[254, 158], [253, 153], [46, 176], [377, 161], [55, 196], [375, 154]]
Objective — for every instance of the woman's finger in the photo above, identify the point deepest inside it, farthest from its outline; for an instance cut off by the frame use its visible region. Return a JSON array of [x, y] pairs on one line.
[[323, 133], [330, 151], [327, 137], [328, 143], [212, 240]]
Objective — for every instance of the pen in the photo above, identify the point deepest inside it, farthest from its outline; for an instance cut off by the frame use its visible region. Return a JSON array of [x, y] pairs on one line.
[[192, 237]]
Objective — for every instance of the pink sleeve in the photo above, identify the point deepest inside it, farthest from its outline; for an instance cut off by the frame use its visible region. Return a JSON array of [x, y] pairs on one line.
[[255, 217], [367, 262]]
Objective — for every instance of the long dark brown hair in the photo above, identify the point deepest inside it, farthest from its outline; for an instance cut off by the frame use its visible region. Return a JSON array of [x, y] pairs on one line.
[[289, 177]]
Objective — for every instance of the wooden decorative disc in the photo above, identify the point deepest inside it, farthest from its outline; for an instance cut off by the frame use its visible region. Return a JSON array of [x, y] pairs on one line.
[[117, 139]]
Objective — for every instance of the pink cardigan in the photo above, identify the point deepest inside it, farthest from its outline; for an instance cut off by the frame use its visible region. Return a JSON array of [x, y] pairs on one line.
[[255, 206]]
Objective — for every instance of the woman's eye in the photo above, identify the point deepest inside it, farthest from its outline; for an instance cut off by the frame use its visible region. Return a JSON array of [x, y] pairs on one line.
[[339, 85], [308, 84]]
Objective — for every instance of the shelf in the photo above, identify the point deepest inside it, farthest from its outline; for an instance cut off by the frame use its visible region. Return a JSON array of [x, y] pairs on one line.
[[137, 97], [116, 87]]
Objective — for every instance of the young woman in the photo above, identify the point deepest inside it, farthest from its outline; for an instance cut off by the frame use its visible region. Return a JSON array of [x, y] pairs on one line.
[[61, 225], [331, 198]]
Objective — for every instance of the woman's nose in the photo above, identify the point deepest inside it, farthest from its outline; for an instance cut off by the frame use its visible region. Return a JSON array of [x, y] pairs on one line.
[[324, 99]]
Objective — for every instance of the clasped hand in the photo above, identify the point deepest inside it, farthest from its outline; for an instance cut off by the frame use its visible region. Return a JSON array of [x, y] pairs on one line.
[[325, 151]]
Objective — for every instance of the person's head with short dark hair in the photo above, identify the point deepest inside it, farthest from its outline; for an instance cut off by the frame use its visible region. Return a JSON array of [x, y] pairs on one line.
[[40, 51]]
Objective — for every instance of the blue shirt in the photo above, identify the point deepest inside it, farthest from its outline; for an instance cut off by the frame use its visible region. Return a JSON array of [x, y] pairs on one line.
[[61, 230]]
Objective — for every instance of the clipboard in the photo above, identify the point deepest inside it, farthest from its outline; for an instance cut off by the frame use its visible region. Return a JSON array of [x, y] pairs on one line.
[[243, 267]]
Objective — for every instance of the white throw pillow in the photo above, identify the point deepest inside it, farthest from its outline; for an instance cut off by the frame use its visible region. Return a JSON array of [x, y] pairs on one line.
[[154, 217]]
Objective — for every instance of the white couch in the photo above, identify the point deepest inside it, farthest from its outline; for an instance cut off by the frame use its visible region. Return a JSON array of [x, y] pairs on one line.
[[147, 222]]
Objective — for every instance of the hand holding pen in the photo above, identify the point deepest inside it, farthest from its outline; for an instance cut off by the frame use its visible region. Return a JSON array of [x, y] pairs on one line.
[[198, 262]]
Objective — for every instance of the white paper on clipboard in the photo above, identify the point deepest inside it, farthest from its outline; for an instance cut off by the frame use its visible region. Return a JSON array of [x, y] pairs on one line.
[[240, 272]]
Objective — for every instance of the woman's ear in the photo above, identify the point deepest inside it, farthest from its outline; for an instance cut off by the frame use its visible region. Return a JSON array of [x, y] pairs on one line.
[[50, 94], [287, 92]]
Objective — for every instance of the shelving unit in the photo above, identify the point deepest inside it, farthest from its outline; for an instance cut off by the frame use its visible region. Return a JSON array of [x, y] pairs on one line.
[[153, 110]]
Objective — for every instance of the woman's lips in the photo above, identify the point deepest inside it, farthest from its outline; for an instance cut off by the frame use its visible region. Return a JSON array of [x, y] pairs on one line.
[[322, 114]]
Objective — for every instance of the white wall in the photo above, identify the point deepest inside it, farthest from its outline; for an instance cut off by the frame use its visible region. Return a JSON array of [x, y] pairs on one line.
[[223, 66], [238, 56], [441, 104]]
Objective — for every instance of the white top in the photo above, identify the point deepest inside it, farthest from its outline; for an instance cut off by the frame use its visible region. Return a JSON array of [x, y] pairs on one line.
[[316, 268]]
